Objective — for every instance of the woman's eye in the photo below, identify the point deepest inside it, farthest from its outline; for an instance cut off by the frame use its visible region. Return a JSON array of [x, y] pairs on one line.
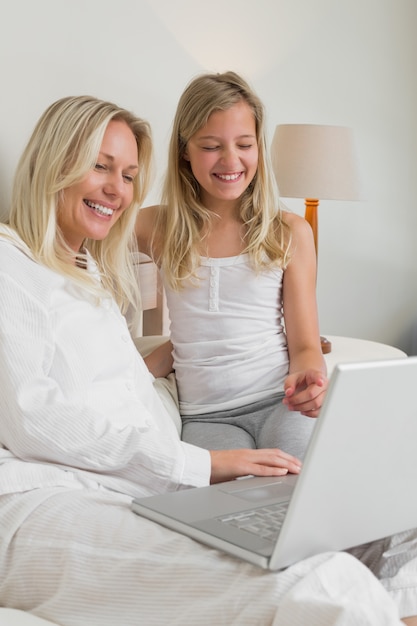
[[100, 166], [210, 148], [128, 178], [245, 146]]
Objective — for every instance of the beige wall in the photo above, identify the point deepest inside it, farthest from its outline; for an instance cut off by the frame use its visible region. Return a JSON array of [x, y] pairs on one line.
[[343, 62]]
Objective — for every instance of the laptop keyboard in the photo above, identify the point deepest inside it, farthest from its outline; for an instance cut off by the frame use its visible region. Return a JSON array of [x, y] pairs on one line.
[[264, 522]]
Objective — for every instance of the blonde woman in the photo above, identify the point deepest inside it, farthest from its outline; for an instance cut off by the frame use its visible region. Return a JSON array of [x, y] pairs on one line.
[[240, 278]]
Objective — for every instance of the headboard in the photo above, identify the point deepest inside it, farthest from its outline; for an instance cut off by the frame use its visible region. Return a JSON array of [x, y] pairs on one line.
[[155, 320]]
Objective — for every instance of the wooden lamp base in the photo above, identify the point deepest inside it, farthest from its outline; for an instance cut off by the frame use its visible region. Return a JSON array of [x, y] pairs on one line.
[[311, 205], [326, 345]]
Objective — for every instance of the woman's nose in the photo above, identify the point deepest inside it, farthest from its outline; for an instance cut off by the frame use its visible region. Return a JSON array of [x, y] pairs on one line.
[[114, 184]]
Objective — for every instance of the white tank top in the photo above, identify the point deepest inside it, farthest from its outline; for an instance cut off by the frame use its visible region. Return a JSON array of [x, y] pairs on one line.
[[230, 348]]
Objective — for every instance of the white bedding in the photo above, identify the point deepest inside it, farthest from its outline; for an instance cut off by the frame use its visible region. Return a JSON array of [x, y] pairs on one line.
[[102, 565], [84, 559]]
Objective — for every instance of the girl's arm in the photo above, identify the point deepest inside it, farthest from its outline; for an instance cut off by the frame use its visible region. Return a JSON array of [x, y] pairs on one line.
[[160, 362], [306, 383]]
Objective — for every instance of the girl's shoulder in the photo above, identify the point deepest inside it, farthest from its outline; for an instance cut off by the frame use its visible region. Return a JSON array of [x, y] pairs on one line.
[[147, 216], [146, 228], [297, 224], [302, 240]]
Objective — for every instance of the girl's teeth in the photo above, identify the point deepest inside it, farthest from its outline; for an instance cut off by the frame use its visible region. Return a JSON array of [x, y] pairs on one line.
[[228, 176]]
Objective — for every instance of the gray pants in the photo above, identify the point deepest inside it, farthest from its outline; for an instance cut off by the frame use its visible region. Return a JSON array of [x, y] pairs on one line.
[[264, 424]]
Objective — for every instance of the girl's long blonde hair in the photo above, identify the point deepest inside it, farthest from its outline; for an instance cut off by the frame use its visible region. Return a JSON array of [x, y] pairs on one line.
[[62, 149], [182, 218]]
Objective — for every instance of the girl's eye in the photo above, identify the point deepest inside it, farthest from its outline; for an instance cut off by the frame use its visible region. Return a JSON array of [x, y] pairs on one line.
[[100, 166], [240, 146], [128, 178]]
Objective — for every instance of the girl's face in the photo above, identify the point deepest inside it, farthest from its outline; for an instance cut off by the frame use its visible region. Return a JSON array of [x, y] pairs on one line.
[[223, 155], [92, 206]]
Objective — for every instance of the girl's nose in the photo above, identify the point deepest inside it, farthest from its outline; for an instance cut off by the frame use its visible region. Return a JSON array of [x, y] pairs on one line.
[[229, 155]]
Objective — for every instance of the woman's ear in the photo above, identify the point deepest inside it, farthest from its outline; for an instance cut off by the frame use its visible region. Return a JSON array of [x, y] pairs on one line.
[[185, 155]]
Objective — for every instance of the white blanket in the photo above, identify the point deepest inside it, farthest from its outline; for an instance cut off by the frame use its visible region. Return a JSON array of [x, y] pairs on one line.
[[82, 558]]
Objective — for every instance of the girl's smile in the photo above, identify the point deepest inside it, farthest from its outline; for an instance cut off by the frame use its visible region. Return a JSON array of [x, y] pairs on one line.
[[223, 155]]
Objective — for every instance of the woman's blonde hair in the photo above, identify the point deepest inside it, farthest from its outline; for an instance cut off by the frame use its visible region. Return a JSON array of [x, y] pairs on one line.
[[183, 217], [63, 147]]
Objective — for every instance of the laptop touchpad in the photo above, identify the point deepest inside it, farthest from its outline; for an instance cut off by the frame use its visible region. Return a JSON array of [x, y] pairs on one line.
[[258, 493]]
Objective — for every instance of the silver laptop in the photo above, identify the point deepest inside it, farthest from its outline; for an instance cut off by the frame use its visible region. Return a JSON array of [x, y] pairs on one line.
[[356, 485]]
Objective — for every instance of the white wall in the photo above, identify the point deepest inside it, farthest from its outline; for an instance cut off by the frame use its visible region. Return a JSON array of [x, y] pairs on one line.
[[343, 62]]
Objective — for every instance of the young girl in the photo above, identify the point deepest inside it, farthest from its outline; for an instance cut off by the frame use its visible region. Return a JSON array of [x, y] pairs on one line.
[[239, 276]]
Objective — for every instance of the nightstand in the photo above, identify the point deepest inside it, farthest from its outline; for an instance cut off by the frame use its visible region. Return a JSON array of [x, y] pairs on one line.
[[349, 349]]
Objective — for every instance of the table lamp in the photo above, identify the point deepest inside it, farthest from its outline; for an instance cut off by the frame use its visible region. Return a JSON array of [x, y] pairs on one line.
[[315, 162]]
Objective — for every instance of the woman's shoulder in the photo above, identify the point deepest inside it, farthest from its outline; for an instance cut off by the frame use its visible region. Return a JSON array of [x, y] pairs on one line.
[[12, 247], [20, 272], [10, 236]]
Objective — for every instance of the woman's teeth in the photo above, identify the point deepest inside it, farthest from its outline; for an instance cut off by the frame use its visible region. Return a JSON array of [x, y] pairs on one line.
[[99, 208]]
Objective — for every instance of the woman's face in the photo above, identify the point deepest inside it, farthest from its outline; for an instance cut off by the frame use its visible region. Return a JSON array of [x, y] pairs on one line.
[[223, 155], [92, 206]]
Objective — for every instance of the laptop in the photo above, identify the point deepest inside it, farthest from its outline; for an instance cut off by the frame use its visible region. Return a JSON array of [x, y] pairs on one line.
[[356, 484]]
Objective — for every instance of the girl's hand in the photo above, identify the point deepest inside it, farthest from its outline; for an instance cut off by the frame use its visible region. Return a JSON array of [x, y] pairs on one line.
[[305, 391], [230, 464]]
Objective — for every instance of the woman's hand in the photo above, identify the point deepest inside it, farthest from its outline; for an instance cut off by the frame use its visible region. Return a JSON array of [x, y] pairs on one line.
[[230, 464], [305, 391]]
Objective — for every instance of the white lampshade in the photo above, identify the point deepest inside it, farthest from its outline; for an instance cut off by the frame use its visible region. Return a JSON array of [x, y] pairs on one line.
[[315, 161]]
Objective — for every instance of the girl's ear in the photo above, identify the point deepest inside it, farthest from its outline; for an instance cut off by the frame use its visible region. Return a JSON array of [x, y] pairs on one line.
[[185, 155]]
